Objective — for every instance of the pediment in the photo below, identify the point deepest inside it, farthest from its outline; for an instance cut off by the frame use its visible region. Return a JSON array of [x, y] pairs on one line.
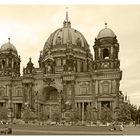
[[105, 96], [48, 58]]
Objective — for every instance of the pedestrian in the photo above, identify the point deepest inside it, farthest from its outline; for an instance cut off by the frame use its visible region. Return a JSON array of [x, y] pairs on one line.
[[121, 127]]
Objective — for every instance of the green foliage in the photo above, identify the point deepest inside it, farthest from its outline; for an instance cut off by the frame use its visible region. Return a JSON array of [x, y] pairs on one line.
[[90, 115], [28, 115], [3, 113], [43, 116], [56, 117], [124, 114], [133, 111], [106, 114], [138, 115], [75, 116]]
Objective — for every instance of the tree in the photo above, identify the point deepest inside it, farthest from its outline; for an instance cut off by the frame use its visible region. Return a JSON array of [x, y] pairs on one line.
[[3, 113], [56, 117], [74, 116], [28, 115], [43, 116], [138, 115], [133, 111], [124, 113], [88, 114], [106, 114]]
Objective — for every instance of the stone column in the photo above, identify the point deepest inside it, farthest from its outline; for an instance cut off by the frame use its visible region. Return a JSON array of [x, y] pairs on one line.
[[60, 105], [79, 109], [73, 95], [50, 111], [112, 109], [117, 91], [99, 53], [99, 110], [10, 101], [15, 110], [82, 112], [7, 63], [24, 94], [30, 96], [64, 91], [76, 106], [96, 87], [93, 93]]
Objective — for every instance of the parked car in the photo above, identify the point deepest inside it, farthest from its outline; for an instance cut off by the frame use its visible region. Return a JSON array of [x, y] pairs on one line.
[[53, 123], [5, 130], [3, 122]]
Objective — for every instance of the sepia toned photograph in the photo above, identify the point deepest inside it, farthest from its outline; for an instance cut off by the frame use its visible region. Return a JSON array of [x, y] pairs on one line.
[[69, 69]]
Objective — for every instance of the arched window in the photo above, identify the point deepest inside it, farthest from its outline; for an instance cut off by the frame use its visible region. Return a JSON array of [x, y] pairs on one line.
[[105, 54], [15, 65], [78, 41], [1, 91], [82, 66], [58, 41], [78, 65], [58, 62], [3, 63], [10, 64]]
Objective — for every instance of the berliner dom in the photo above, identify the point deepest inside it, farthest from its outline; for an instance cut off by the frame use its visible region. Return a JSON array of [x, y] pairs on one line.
[[68, 79]]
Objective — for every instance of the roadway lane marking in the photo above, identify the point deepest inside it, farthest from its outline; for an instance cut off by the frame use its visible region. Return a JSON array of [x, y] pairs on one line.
[[68, 132]]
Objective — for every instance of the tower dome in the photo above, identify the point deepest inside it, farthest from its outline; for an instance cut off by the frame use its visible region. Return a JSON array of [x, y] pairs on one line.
[[8, 47], [106, 32]]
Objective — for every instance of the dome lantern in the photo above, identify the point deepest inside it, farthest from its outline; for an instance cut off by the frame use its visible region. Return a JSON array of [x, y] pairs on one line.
[[67, 23]]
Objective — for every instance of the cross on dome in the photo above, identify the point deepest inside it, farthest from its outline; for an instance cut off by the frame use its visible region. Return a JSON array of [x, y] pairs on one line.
[[105, 24], [66, 22], [67, 17], [8, 39]]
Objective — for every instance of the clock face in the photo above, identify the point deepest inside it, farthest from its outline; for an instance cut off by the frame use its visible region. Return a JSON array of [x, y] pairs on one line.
[[105, 65]]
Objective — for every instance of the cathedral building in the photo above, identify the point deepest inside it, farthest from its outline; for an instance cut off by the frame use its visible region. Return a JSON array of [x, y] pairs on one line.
[[68, 78]]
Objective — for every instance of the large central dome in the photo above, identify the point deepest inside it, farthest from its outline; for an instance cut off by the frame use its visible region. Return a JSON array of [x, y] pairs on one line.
[[67, 50], [66, 35]]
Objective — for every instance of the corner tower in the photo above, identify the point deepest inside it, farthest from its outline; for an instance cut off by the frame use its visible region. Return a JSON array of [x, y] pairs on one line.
[[107, 71], [106, 50], [9, 60]]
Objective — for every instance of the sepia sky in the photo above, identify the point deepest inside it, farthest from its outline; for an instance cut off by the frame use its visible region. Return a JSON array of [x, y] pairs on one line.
[[29, 26]]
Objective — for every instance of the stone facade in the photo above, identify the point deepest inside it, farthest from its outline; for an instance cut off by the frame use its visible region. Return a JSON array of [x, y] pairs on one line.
[[68, 78]]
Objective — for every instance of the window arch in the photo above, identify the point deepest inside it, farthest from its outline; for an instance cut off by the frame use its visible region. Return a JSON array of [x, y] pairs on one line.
[[10, 63], [15, 65], [3, 63], [58, 41], [2, 92], [78, 41], [58, 62], [105, 53]]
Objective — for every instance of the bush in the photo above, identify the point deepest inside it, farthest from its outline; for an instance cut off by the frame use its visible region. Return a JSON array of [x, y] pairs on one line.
[[3, 114], [28, 115]]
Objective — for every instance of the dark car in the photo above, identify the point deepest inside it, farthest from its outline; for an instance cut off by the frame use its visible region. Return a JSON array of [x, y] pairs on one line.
[[5, 130]]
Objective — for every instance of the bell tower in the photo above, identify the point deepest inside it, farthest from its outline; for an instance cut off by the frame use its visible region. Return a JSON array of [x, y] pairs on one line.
[[106, 66], [106, 50], [9, 60]]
